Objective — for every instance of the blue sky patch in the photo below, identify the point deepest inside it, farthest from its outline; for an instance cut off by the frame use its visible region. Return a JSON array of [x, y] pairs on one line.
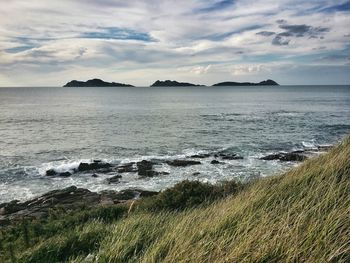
[[117, 33]]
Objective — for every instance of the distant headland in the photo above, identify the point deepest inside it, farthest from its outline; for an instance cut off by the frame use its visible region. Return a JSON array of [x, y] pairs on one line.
[[165, 83], [172, 83], [95, 83], [268, 82]]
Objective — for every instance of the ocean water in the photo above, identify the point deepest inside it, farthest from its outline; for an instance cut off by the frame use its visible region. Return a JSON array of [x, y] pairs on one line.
[[43, 128]]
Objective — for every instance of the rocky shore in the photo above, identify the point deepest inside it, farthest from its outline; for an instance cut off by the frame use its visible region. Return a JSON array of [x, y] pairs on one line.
[[71, 198]]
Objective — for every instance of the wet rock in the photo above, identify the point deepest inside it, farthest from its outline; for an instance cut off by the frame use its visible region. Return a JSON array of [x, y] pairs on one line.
[[151, 173], [52, 172], [94, 175], [65, 174], [114, 179], [216, 162], [95, 165], [232, 157], [144, 168], [127, 168], [196, 173], [270, 157], [200, 155], [183, 163], [228, 156], [295, 156]]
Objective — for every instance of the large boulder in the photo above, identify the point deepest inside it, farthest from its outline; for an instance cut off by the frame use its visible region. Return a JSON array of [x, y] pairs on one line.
[[144, 167], [296, 156], [95, 165]]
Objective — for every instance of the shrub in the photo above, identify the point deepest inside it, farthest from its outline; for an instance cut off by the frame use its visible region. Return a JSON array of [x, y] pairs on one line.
[[188, 194]]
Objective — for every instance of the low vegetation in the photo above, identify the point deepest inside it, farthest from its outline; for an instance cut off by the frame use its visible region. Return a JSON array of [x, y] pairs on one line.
[[300, 216]]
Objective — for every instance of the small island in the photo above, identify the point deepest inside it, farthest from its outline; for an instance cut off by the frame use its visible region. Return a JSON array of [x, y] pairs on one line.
[[173, 83], [268, 82], [95, 83]]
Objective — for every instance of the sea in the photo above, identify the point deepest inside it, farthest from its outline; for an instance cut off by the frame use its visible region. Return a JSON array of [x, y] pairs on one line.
[[44, 128]]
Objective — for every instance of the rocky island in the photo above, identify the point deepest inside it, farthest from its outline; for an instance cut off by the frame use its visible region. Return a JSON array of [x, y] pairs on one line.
[[268, 82], [173, 83], [95, 83]]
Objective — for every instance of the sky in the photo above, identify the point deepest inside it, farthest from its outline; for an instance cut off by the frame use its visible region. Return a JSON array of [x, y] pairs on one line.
[[294, 42]]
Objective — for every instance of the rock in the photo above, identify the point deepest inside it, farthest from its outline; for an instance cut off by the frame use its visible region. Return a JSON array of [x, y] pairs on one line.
[[52, 172], [183, 163], [94, 175], [196, 173], [69, 198], [144, 167], [228, 156], [295, 156], [200, 155], [270, 157], [65, 174], [83, 167], [232, 157], [127, 168], [114, 179], [215, 162]]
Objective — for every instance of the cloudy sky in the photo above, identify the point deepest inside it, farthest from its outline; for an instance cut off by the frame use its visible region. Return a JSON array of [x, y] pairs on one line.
[[48, 43]]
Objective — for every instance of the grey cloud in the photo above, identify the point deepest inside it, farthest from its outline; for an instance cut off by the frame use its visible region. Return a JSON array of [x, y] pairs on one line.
[[280, 41], [266, 33], [302, 30], [281, 21]]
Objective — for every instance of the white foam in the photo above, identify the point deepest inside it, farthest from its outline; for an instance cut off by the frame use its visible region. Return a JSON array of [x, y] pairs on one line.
[[61, 166], [310, 145]]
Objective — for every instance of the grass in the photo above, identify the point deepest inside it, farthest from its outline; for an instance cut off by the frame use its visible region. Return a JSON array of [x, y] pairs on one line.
[[300, 216]]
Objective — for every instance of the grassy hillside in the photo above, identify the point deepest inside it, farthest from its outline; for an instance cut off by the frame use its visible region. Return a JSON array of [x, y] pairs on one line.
[[300, 216]]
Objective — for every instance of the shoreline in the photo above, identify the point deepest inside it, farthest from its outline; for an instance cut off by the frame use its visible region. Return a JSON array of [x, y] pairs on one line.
[[73, 198], [283, 210]]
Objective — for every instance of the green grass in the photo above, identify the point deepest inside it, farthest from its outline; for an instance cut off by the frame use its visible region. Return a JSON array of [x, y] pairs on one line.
[[300, 216]]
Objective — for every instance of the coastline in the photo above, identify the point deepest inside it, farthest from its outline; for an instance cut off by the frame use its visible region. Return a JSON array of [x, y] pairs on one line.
[[312, 197], [74, 198]]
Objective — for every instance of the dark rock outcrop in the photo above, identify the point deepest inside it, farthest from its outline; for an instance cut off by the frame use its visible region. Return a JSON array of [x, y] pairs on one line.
[[286, 157], [95, 83], [228, 156], [127, 168], [52, 172], [216, 162], [183, 163], [172, 83], [114, 179], [200, 155], [144, 168], [95, 165], [268, 82], [69, 198]]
